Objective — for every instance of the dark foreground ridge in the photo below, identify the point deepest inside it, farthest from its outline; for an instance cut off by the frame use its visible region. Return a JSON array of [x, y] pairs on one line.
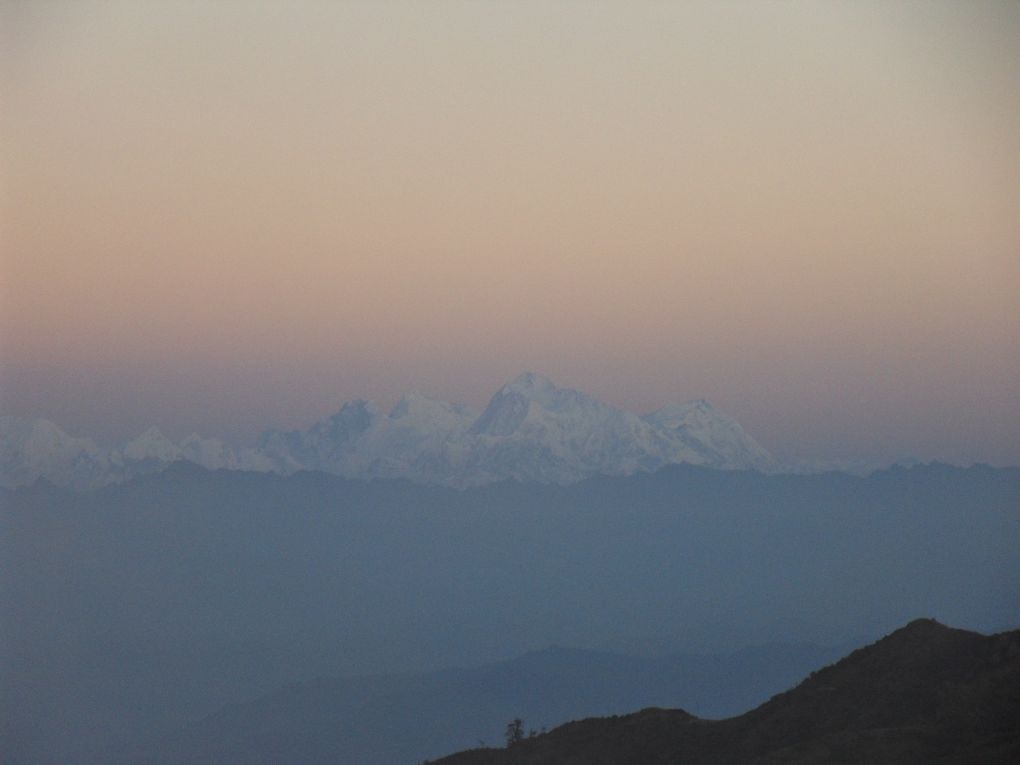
[[926, 693]]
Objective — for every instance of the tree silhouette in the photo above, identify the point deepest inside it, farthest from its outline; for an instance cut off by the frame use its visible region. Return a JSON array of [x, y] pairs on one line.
[[514, 731]]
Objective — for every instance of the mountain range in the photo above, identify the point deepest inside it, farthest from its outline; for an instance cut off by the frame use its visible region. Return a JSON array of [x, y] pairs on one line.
[[531, 430]]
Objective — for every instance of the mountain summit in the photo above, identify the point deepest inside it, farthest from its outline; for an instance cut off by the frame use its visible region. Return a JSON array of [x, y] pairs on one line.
[[531, 430]]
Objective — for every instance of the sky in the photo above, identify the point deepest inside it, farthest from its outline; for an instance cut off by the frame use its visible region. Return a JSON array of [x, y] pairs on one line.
[[219, 217]]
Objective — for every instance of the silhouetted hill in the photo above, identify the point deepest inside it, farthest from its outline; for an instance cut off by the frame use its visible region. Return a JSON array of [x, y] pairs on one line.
[[926, 693]]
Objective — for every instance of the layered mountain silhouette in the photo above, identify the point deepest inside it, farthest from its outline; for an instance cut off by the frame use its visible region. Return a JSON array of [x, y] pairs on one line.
[[925, 693], [530, 431], [136, 609], [392, 719]]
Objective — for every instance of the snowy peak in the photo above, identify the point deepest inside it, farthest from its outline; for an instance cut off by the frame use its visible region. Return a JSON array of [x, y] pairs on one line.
[[674, 416], [323, 445], [40, 439], [715, 435], [354, 418], [210, 453], [542, 391], [504, 414], [509, 407], [532, 386], [514, 402], [415, 407], [31, 449], [152, 445]]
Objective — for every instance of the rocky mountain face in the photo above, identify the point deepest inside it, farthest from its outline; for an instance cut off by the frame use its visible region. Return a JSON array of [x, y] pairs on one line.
[[530, 431]]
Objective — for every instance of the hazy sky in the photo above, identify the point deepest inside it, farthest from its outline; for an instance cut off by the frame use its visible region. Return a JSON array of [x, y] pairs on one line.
[[221, 216]]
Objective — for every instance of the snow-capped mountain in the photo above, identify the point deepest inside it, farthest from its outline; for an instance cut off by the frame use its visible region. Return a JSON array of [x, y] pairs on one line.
[[151, 445], [34, 449], [718, 439], [531, 430], [419, 439]]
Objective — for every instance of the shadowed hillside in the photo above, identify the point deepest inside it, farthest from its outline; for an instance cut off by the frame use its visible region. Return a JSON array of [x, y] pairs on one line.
[[925, 693]]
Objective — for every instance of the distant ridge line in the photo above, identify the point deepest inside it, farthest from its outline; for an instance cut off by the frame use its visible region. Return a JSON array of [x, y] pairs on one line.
[[924, 693]]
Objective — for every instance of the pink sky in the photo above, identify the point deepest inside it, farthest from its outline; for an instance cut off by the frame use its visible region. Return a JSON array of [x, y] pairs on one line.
[[218, 217]]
